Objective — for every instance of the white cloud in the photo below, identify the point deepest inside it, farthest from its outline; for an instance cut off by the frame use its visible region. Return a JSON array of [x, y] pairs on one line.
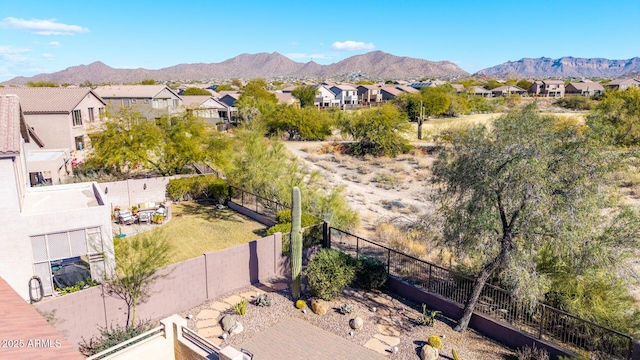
[[352, 46], [11, 54], [43, 27], [294, 43], [54, 44], [48, 56]]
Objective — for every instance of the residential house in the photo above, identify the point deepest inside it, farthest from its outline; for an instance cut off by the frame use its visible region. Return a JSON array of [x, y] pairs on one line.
[[368, 94], [229, 97], [480, 91], [419, 85], [287, 98], [549, 88], [152, 101], [622, 84], [406, 88], [325, 97], [346, 94], [507, 90], [458, 87], [61, 117], [390, 92], [584, 88], [46, 229], [208, 108]]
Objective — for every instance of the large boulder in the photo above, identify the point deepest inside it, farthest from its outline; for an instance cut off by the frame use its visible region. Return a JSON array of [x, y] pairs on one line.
[[319, 306], [236, 329], [356, 323], [227, 322], [428, 352]]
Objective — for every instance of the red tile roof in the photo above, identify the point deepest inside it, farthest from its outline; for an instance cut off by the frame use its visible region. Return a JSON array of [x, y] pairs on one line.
[[25, 334], [48, 100], [10, 114]]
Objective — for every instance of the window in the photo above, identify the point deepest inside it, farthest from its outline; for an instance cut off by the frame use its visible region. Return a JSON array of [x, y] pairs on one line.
[[101, 113], [176, 103], [77, 117], [91, 115]]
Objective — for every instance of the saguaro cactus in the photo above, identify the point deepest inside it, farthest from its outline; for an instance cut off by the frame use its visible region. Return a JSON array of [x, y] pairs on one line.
[[296, 242]]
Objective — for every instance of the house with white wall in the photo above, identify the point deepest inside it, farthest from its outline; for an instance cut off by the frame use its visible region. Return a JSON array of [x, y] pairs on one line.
[[45, 229], [346, 94], [325, 97], [62, 118], [207, 107]]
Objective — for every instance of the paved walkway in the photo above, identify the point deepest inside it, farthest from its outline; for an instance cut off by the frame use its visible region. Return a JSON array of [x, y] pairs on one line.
[[296, 339], [275, 342]]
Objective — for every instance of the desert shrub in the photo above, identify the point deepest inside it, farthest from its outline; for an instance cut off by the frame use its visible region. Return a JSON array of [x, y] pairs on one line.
[[345, 309], [575, 103], [241, 307], [112, 336], [284, 216], [329, 272], [263, 300], [429, 316], [532, 353], [311, 236], [198, 187], [435, 341], [372, 273], [301, 304]]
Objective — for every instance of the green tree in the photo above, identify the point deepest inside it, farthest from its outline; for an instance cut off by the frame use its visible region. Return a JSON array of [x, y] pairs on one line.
[[148, 82], [196, 91], [223, 87], [524, 84], [492, 84], [531, 181], [41, 84], [300, 124], [238, 84], [378, 131], [616, 119], [170, 145], [138, 260], [306, 94]]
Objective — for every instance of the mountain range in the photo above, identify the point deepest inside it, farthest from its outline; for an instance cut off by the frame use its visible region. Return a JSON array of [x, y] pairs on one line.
[[565, 67], [372, 65]]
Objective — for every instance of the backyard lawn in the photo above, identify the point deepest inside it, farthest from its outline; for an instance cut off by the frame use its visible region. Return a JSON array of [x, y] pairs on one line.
[[197, 228]]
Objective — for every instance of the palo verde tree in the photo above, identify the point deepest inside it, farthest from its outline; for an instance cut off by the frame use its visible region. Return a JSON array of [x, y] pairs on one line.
[[138, 260], [532, 181], [616, 119], [196, 91], [378, 131], [300, 123], [306, 94]]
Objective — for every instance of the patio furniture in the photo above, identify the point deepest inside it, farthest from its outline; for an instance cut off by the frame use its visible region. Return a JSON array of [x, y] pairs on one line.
[[126, 217], [144, 216]]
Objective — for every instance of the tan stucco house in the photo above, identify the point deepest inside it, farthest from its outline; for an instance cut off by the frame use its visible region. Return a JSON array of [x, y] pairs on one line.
[[152, 101]]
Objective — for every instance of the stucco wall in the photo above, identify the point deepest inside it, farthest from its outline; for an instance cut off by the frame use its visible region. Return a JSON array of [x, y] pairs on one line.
[[131, 192], [187, 284]]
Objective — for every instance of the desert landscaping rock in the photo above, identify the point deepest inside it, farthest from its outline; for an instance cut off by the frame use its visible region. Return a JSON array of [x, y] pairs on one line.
[[389, 340], [211, 332], [356, 323], [429, 353], [377, 346], [220, 306], [236, 329], [207, 314], [227, 322], [319, 306]]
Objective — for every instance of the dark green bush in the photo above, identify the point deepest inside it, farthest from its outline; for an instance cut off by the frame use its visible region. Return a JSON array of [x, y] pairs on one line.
[[329, 272], [372, 273], [310, 237], [112, 336], [575, 103], [198, 188], [284, 216]]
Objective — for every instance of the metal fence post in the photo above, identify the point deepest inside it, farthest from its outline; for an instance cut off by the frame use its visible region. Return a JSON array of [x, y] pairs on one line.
[[357, 247], [541, 322], [326, 235], [429, 279], [388, 261]]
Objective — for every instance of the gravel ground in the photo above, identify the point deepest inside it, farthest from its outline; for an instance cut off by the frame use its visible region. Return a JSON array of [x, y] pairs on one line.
[[399, 314]]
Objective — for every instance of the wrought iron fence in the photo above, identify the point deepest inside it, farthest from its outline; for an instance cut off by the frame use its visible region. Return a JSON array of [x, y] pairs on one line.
[[539, 320], [311, 236], [259, 204]]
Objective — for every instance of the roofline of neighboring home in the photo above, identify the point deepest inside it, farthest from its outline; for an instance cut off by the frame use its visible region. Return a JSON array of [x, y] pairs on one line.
[[47, 112], [170, 90], [34, 136]]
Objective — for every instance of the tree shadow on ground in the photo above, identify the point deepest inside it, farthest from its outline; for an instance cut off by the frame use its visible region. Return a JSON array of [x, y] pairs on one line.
[[210, 211]]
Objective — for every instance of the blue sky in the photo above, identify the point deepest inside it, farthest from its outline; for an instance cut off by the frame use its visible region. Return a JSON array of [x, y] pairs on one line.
[[49, 36]]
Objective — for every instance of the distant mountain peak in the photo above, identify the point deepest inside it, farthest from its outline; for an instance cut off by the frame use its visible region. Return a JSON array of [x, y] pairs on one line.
[[374, 65], [565, 67]]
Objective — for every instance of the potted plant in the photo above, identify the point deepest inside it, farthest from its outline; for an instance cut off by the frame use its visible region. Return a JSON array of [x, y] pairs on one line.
[[116, 212], [157, 218], [134, 210]]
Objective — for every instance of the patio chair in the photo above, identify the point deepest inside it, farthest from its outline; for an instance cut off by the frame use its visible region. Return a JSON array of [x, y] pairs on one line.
[[144, 217], [126, 217]]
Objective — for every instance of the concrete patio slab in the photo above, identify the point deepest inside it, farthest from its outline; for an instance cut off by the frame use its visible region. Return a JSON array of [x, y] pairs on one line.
[[207, 314], [211, 332], [232, 300], [377, 346], [388, 330], [220, 306], [389, 340], [207, 323]]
